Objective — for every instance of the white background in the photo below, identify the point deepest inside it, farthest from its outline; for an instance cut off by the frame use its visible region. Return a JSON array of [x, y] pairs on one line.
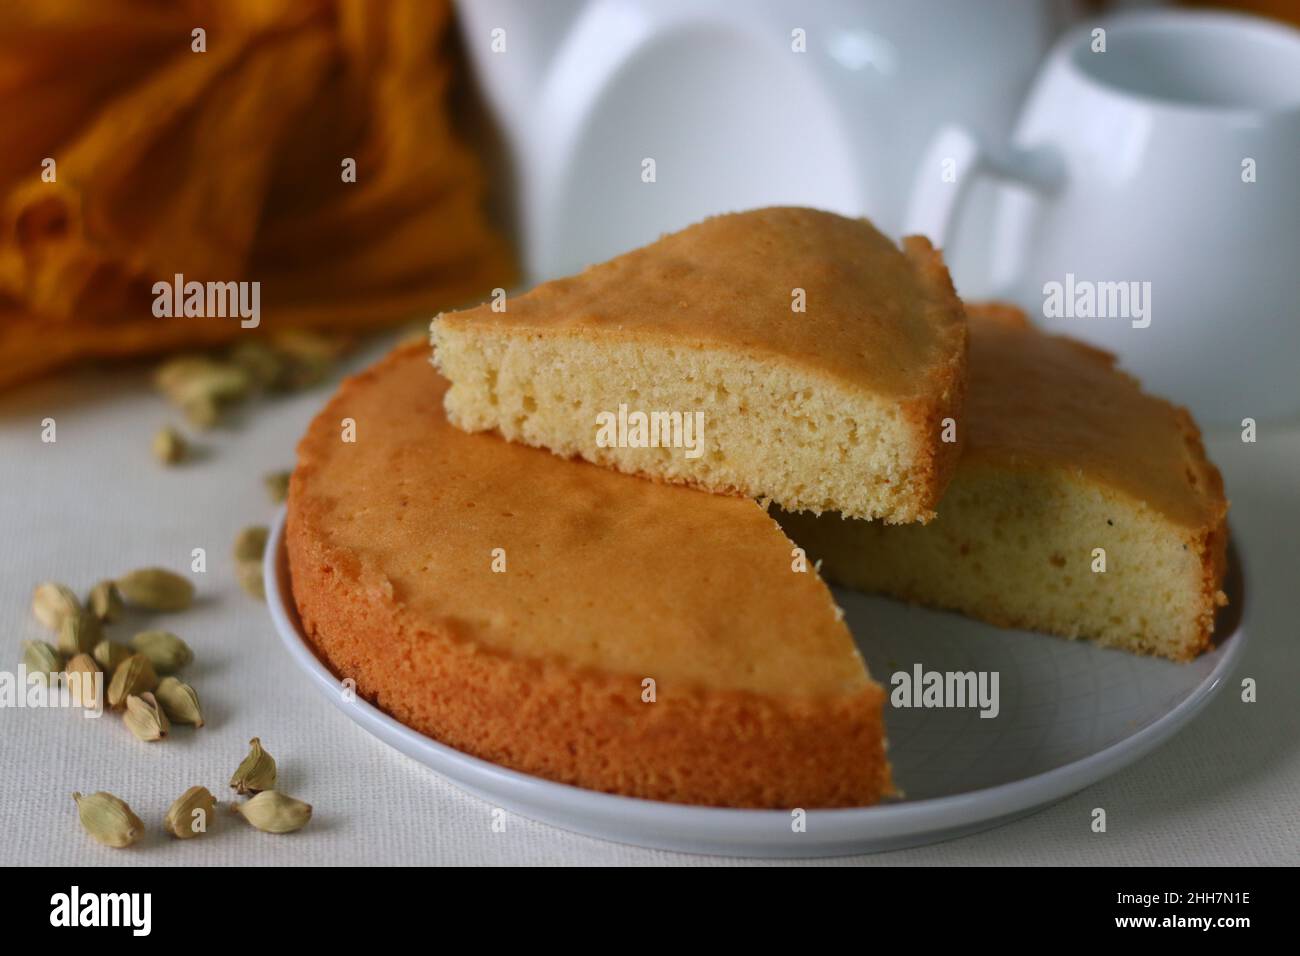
[[95, 504]]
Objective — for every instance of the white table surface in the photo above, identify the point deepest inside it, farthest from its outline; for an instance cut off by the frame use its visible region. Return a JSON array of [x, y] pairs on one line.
[[95, 504]]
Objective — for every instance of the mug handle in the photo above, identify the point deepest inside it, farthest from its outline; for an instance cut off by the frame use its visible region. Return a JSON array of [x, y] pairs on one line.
[[935, 202]]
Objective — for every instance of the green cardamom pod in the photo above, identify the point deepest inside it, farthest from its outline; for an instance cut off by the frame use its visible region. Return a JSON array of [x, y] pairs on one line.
[[201, 411], [257, 772], [250, 543], [201, 386], [274, 812], [190, 814], [52, 602], [277, 486], [79, 633], [85, 681], [264, 365], [145, 718], [105, 602], [179, 701], [166, 651], [173, 373], [311, 356], [135, 675], [168, 445], [216, 381], [109, 654], [192, 376], [42, 659], [249, 575], [156, 589], [108, 819]]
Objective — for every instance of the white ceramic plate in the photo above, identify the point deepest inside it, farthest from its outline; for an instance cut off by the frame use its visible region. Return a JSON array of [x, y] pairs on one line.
[[1071, 714]]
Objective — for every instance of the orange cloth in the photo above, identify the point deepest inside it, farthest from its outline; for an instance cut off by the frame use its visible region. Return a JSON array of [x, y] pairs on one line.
[[226, 165], [1287, 11]]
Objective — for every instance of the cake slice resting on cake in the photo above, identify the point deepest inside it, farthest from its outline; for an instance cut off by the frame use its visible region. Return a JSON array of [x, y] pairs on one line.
[[784, 353], [1081, 505]]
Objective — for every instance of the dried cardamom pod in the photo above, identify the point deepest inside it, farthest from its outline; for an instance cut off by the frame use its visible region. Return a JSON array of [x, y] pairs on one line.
[[185, 376], [179, 701], [257, 772], [201, 386], [85, 681], [79, 633], [108, 819], [277, 486], [105, 602], [176, 371], [169, 446], [274, 812], [202, 411], [219, 381], [109, 654], [264, 365], [52, 602], [135, 675], [41, 659], [156, 589], [311, 356], [311, 344], [250, 543], [189, 815], [145, 718], [249, 575], [166, 651]]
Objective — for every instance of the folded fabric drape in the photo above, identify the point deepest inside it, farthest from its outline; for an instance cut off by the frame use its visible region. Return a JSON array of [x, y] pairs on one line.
[[227, 164]]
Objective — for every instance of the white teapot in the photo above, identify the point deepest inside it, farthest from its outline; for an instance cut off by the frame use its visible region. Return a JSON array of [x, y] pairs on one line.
[[625, 119]]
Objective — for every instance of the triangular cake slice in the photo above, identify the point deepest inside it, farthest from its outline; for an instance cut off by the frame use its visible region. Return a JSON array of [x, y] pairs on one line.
[[781, 353], [1081, 505], [569, 621]]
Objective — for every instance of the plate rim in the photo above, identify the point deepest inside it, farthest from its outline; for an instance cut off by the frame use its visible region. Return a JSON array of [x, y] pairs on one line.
[[729, 830]]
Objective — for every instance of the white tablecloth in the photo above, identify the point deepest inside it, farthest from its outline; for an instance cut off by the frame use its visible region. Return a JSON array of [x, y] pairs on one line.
[[94, 503]]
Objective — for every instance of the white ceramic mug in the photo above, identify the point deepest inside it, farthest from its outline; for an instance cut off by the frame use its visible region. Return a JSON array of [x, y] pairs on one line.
[[1164, 169]]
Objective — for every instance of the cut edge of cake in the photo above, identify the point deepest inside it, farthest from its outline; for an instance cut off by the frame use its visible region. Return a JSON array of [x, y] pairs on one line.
[[992, 555], [701, 426]]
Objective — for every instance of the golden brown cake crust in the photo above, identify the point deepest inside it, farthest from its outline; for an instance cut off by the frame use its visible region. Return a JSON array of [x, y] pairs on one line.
[[727, 282], [949, 381], [1038, 399], [761, 699]]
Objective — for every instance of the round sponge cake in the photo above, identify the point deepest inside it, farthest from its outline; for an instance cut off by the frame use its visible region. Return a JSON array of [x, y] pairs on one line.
[[570, 621]]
